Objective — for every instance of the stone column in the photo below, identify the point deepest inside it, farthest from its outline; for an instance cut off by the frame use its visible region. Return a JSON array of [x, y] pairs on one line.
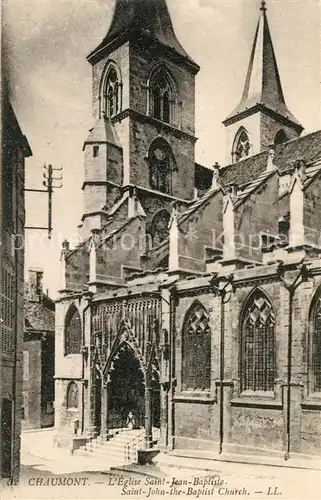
[[91, 401], [103, 411], [164, 416], [148, 415]]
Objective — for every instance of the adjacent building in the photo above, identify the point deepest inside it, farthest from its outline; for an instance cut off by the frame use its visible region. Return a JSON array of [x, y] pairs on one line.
[[15, 149], [38, 354], [192, 303]]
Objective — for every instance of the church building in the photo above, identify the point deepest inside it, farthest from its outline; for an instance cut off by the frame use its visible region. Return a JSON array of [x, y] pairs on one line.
[[191, 309]]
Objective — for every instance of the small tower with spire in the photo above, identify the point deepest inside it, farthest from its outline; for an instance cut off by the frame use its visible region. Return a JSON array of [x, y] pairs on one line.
[[262, 116]]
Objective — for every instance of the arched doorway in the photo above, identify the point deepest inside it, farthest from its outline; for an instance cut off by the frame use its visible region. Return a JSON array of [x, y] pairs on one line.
[[126, 390]]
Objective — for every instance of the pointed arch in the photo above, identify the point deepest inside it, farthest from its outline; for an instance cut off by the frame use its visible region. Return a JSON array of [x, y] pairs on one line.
[[72, 396], [162, 95], [196, 349], [110, 92], [257, 352], [314, 344], [162, 166], [126, 386], [125, 335], [280, 137], [159, 227], [241, 145], [72, 331]]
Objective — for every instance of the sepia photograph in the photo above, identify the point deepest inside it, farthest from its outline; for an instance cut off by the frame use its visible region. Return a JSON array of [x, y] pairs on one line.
[[160, 249]]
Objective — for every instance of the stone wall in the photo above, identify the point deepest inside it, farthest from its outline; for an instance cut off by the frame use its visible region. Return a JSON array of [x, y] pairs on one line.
[[254, 423], [32, 385]]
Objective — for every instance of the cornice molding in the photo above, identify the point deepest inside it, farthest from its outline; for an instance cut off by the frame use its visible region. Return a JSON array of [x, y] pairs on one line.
[[159, 125], [259, 107]]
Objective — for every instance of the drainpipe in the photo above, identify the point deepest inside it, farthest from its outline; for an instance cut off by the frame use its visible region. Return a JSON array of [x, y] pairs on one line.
[[291, 288], [84, 354], [223, 291]]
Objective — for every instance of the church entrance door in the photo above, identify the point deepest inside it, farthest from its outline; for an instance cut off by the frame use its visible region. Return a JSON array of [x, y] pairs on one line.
[[126, 391]]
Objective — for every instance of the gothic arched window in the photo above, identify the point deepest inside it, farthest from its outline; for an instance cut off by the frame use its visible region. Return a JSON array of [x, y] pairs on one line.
[[242, 146], [280, 137], [257, 360], [111, 92], [315, 345], [162, 165], [72, 396], [159, 227], [196, 352], [72, 331], [162, 96]]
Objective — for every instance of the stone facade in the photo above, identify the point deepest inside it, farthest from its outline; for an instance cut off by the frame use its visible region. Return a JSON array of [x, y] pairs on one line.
[[38, 355], [15, 149], [235, 267]]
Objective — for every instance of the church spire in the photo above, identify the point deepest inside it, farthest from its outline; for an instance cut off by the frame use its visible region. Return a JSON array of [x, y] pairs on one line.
[[142, 17], [263, 84]]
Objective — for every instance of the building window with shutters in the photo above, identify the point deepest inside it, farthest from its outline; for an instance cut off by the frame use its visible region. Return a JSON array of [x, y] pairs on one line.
[[257, 355], [196, 349], [7, 312], [72, 396], [314, 378], [73, 332]]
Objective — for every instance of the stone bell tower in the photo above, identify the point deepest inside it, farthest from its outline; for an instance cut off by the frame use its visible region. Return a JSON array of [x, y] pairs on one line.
[[262, 116], [143, 96]]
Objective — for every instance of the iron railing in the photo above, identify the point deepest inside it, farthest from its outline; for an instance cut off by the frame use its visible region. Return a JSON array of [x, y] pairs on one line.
[[132, 447]]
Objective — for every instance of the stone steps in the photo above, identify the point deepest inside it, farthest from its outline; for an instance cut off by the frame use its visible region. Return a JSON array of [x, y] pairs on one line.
[[115, 449]]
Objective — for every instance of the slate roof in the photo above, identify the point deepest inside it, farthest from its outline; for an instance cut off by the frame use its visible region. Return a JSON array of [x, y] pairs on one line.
[[263, 83], [102, 132], [307, 148], [150, 17], [252, 186], [40, 316], [197, 204]]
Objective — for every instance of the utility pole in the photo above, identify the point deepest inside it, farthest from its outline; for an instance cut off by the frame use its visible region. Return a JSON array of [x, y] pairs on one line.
[[49, 184]]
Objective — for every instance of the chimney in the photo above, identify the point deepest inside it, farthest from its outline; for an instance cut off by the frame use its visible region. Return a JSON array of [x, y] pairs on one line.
[[35, 290]]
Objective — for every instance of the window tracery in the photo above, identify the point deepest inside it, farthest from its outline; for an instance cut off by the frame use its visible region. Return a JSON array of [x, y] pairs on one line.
[[162, 97], [159, 227], [72, 331], [111, 92], [196, 355], [258, 344], [315, 347], [242, 145], [162, 166]]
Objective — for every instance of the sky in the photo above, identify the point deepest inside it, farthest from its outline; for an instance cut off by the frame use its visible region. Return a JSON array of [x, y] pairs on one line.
[[47, 43]]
